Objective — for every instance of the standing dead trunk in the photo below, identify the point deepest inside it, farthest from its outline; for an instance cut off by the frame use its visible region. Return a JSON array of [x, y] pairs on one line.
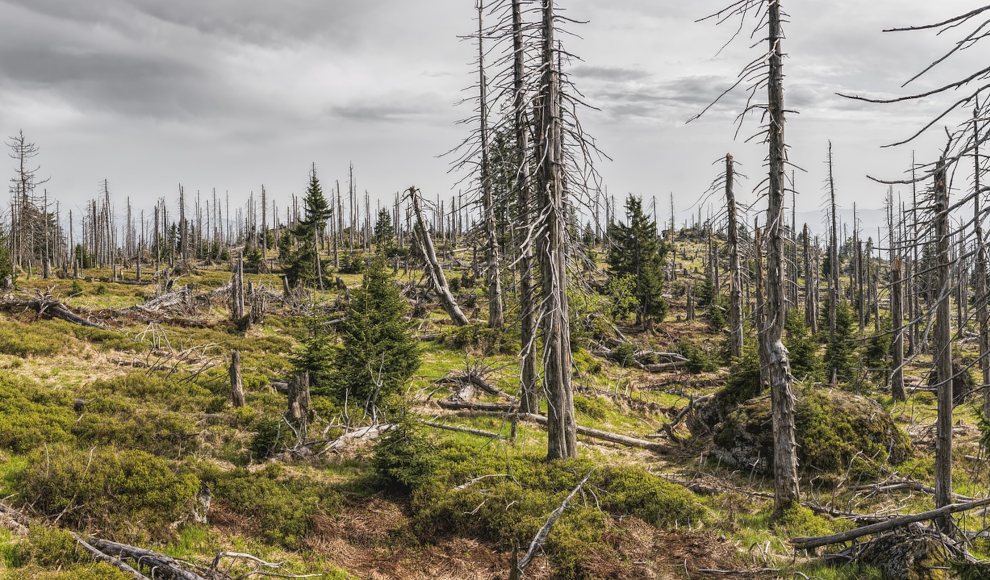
[[773, 355], [237, 290], [980, 270], [758, 312], [496, 317], [561, 425], [735, 276], [897, 316], [298, 412], [529, 398], [810, 286], [943, 351], [236, 382], [834, 291], [433, 269]]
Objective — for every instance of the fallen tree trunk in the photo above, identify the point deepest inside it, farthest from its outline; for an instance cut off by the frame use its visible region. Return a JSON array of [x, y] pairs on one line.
[[164, 566], [603, 435], [477, 432], [819, 541], [468, 406], [52, 308], [100, 556]]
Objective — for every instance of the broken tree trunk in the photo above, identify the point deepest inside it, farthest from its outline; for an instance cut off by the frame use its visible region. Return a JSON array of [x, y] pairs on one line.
[[773, 355], [298, 411], [897, 345], [942, 341], [735, 276], [236, 382], [433, 269]]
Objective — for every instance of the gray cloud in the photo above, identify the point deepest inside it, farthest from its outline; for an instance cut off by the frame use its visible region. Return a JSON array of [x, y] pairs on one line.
[[608, 73]]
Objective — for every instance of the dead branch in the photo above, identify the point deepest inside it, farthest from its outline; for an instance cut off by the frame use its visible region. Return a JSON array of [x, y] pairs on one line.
[[818, 541], [477, 432], [541, 535]]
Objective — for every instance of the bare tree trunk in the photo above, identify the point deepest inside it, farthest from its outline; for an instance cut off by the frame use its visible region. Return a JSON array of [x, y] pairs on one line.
[[298, 411], [834, 290], [810, 285], [496, 318], [735, 276], [236, 382], [561, 425], [773, 355], [897, 315], [529, 397], [980, 270], [943, 352], [437, 278], [758, 307]]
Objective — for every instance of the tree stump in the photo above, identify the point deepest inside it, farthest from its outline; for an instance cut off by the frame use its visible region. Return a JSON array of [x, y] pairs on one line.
[[236, 382]]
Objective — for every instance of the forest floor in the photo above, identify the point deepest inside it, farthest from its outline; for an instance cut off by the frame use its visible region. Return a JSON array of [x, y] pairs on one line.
[[104, 431]]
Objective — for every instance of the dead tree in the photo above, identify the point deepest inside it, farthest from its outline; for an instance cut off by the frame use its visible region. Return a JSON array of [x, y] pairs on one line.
[[298, 412], [810, 285], [834, 290], [236, 382], [552, 228], [529, 398], [897, 316], [496, 317], [433, 269], [980, 270], [735, 274], [942, 342], [767, 71]]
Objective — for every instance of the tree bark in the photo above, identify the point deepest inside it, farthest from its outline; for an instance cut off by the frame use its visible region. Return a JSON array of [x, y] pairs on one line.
[[943, 351], [433, 269], [236, 382], [810, 284], [773, 355], [897, 316], [529, 397], [735, 275], [561, 432]]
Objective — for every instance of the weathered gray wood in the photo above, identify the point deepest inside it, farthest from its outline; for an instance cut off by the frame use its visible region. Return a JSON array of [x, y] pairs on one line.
[[735, 270], [529, 397], [773, 355], [236, 381], [496, 317], [561, 433], [942, 342], [433, 269], [897, 345], [808, 543]]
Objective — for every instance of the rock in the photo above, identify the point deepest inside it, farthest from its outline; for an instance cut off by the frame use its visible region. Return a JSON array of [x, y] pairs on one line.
[[836, 430]]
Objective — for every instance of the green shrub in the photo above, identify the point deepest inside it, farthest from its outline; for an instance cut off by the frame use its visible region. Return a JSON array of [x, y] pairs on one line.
[[25, 340], [267, 438], [51, 548], [699, 361], [595, 407], [97, 571], [283, 508], [509, 509], [129, 494], [30, 416]]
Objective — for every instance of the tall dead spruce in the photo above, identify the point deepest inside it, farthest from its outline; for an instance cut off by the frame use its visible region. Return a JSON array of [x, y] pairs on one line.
[[552, 249], [768, 71]]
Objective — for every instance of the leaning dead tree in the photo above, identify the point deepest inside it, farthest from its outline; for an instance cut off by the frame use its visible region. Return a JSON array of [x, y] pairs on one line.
[[438, 280], [767, 71]]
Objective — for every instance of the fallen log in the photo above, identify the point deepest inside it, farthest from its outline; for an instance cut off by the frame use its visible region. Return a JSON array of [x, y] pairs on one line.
[[164, 566], [100, 556], [477, 432], [468, 406], [52, 308], [434, 270], [603, 435], [807, 543]]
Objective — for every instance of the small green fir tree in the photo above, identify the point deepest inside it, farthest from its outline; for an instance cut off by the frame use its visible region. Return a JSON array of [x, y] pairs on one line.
[[636, 251]]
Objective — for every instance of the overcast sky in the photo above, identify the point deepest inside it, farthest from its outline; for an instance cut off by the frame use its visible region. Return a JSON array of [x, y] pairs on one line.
[[233, 94]]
